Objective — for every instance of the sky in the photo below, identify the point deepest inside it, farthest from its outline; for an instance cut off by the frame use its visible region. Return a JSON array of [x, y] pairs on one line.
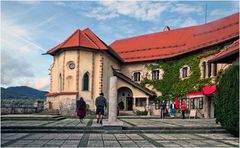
[[31, 28]]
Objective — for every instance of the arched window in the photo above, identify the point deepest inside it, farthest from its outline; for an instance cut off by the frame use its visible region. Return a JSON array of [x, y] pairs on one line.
[[60, 83], [85, 81], [184, 72], [204, 70], [69, 84], [214, 69], [209, 70]]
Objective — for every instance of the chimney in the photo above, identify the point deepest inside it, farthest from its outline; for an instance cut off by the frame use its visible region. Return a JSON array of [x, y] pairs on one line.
[[166, 28]]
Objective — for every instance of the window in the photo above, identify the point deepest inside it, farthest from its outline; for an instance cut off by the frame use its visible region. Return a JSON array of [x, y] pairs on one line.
[[214, 69], [204, 70], [197, 103], [155, 75], [136, 76], [60, 83], [184, 72], [141, 102], [209, 70], [85, 81]]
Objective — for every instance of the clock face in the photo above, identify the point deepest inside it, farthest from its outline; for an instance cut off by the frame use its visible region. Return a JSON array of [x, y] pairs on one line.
[[71, 65]]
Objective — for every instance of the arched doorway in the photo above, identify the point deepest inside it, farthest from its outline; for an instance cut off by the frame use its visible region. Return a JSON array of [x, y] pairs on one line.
[[125, 99]]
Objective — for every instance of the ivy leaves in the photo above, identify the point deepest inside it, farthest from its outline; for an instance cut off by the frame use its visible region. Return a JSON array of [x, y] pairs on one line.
[[171, 86]]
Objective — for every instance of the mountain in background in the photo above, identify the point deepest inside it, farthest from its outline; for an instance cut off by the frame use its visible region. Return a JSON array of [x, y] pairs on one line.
[[22, 92]]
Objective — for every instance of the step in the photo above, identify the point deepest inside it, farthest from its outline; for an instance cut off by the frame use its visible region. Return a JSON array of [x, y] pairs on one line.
[[52, 129], [32, 117]]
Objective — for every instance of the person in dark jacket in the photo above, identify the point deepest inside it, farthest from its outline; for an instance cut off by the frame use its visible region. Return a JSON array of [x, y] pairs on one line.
[[163, 109], [81, 109], [100, 104]]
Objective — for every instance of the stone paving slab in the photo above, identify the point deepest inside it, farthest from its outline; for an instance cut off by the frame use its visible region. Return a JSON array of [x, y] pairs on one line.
[[24, 123], [161, 123], [118, 140]]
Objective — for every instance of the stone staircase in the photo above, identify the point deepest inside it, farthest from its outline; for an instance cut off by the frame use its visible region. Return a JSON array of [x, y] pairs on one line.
[[126, 113], [40, 117], [52, 129]]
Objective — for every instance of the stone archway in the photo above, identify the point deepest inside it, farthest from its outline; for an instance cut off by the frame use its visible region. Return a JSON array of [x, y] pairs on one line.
[[125, 99]]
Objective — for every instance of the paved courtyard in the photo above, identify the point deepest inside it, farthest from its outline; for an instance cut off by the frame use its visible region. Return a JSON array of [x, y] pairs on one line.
[[141, 139], [117, 140], [127, 122]]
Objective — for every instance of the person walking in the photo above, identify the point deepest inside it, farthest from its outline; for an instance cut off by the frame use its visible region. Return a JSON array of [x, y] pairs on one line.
[[183, 107], [163, 109], [81, 109], [172, 109], [100, 104]]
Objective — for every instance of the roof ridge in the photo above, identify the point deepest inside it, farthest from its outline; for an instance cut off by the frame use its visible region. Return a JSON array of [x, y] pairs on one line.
[[91, 40], [212, 22], [117, 73], [64, 42], [88, 29]]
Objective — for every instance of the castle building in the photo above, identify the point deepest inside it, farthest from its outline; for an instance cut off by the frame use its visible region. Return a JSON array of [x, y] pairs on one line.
[[147, 66]]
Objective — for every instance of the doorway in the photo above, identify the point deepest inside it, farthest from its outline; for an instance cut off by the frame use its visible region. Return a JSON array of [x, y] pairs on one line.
[[129, 103], [125, 99], [211, 107]]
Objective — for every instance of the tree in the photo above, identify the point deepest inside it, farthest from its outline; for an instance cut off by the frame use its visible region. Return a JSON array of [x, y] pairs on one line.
[[227, 100]]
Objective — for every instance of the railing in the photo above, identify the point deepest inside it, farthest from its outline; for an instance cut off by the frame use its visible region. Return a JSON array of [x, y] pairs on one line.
[[19, 109]]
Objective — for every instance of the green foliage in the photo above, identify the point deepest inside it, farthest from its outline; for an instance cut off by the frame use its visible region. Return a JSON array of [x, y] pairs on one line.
[[227, 100], [171, 86], [139, 113]]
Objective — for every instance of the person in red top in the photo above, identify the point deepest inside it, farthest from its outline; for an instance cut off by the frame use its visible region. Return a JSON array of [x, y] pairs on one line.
[[183, 107]]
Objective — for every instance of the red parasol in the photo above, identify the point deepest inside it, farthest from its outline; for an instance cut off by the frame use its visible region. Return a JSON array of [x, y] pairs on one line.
[[177, 103]]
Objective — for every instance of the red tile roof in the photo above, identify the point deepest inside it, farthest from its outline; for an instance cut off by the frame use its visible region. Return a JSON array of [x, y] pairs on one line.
[[85, 38], [61, 93], [227, 51], [176, 42]]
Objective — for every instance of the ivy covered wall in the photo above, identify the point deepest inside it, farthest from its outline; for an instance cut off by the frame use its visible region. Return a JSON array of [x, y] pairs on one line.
[[171, 86]]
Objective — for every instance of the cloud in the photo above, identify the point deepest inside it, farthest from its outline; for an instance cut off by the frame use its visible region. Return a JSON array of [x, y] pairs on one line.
[[42, 83], [189, 22], [186, 9], [181, 22], [145, 11], [102, 13], [13, 68], [21, 55], [60, 3], [219, 13], [141, 10]]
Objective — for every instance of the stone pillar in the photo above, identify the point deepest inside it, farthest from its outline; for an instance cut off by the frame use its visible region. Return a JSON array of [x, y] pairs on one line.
[[206, 110], [148, 110], [112, 99]]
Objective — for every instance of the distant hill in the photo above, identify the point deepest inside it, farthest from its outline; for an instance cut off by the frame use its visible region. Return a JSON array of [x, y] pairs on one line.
[[22, 92]]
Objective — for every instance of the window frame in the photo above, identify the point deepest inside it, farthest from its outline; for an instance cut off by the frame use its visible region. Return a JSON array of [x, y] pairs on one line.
[[204, 69], [136, 77], [155, 74], [85, 86], [185, 72], [196, 103], [141, 103]]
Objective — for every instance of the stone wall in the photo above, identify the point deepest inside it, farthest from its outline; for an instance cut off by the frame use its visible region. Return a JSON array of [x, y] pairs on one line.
[[65, 104]]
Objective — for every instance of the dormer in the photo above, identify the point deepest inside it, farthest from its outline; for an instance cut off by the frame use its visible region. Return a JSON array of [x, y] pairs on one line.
[[166, 28]]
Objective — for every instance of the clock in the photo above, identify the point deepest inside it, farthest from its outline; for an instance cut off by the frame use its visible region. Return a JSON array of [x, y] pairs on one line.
[[71, 66]]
